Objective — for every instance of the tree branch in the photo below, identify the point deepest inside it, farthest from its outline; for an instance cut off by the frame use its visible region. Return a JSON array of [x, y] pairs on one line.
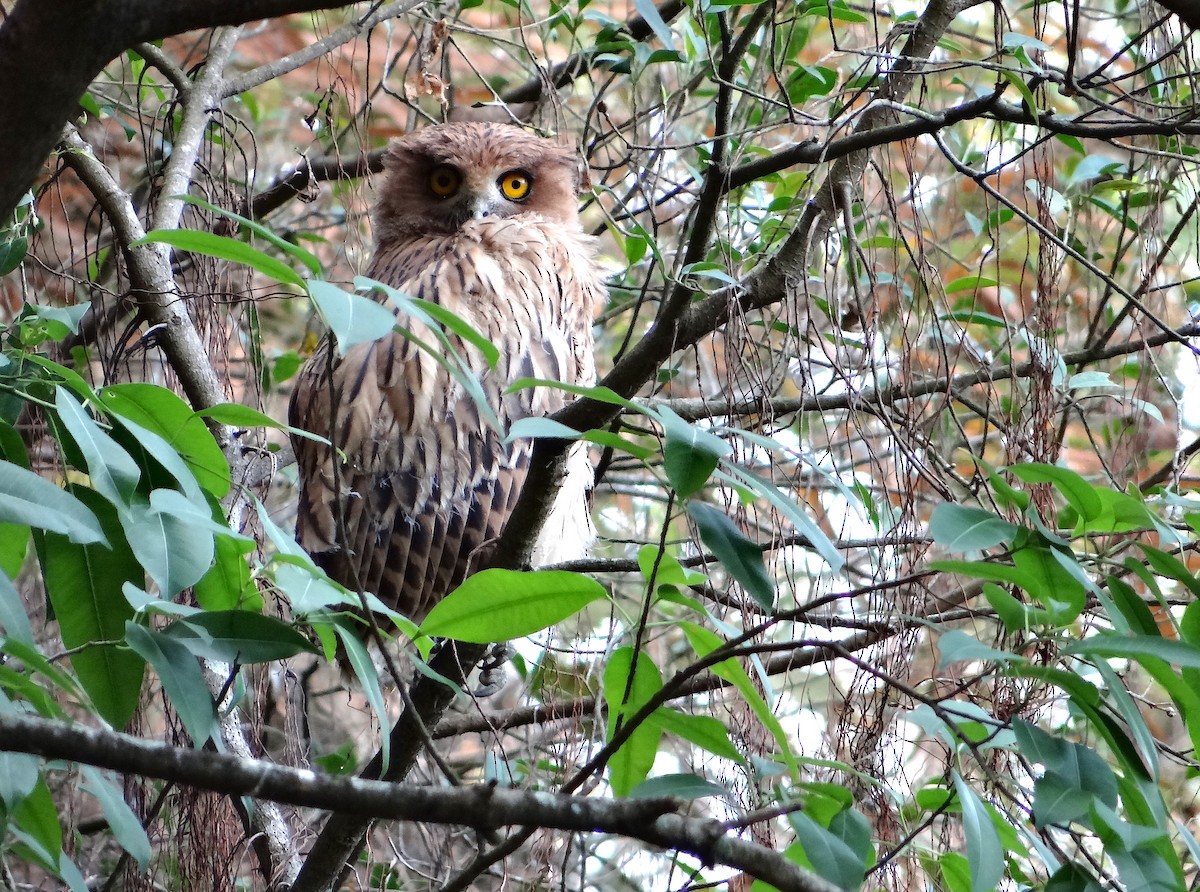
[[696, 408], [40, 97], [485, 807], [150, 277], [317, 49]]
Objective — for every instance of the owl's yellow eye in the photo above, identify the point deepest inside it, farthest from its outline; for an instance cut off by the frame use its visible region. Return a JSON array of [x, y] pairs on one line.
[[444, 181], [515, 185]]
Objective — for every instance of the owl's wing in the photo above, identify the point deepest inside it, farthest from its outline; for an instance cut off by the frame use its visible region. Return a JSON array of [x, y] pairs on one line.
[[425, 480]]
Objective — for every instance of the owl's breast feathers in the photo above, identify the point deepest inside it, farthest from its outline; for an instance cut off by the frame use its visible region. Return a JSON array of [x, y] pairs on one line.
[[426, 480]]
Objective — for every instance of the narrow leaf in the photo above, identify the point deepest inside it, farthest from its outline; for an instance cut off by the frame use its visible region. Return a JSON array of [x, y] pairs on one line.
[[352, 318], [84, 585], [985, 855], [742, 558], [181, 678], [113, 473], [960, 528], [123, 823], [26, 498], [165, 427], [627, 688], [238, 636], [223, 248], [679, 786], [499, 605]]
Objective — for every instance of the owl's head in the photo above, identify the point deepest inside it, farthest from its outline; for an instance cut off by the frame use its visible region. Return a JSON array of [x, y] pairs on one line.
[[441, 177]]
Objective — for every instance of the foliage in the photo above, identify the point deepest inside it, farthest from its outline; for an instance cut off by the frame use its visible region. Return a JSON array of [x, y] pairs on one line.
[[896, 575]]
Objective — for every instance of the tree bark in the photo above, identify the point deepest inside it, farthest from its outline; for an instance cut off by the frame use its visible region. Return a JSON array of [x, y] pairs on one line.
[[50, 50]]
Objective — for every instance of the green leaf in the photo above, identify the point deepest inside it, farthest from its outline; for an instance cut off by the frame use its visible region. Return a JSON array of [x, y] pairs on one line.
[[690, 454], [223, 248], [1171, 567], [499, 605], [364, 670], [648, 11], [238, 636], [237, 415], [124, 824], [539, 427], [985, 855], [1075, 776], [666, 570], [706, 269], [679, 786], [1128, 606], [804, 524], [228, 584], [165, 427], [970, 283], [309, 260], [1091, 379], [1126, 647], [172, 548], [809, 81], [113, 473], [969, 529], [14, 537], [37, 816], [12, 252], [829, 857], [837, 11], [181, 679], [1079, 494], [1015, 78], [702, 730], [592, 392], [19, 773], [68, 317], [13, 618], [704, 641], [352, 318], [434, 316], [956, 645], [26, 498], [625, 694], [84, 584], [1141, 759], [742, 558]]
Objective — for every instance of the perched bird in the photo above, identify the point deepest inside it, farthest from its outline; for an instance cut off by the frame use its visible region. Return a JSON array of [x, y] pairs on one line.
[[483, 220]]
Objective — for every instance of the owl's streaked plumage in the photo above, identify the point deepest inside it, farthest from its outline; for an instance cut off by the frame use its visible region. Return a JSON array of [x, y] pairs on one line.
[[483, 220]]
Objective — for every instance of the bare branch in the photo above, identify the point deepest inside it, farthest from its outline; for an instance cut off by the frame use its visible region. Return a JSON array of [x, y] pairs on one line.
[[484, 807], [317, 49]]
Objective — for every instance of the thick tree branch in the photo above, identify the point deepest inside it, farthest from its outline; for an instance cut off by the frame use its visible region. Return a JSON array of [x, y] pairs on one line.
[[485, 807], [786, 269], [150, 277], [40, 96]]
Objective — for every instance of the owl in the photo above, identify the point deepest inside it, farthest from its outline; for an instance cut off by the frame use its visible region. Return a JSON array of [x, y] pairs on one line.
[[483, 220]]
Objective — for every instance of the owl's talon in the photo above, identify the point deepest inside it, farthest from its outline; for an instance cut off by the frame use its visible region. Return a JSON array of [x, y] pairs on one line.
[[492, 674]]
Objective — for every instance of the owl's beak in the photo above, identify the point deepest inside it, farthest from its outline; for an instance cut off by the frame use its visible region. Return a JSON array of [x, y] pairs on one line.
[[482, 202], [481, 206]]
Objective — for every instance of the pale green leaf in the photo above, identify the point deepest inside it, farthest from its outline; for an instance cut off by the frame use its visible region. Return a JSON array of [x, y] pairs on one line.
[[499, 605]]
